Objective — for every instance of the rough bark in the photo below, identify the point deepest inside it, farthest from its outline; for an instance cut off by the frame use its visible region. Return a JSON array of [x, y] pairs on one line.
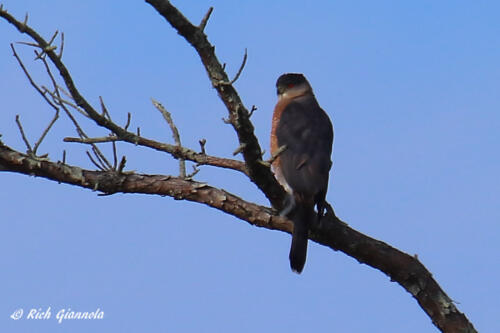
[[239, 117], [331, 231]]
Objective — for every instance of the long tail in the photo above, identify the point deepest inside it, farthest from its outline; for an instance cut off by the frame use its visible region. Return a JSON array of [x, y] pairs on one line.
[[302, 217]]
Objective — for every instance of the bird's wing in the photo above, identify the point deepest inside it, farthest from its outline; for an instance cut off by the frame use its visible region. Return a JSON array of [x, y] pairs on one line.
[[307, 132]]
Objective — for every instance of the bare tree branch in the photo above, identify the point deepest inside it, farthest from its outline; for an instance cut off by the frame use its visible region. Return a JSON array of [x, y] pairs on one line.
[[330, 231], [123, 134], [175, 133], [115, 157], [32, 82], [92, 140], [237, 76], [61, 49], [112, 182], [252, 110], [127, 124], [105, 112], [23, 136], [202, 145], [260, 174], [96, 163], [204, 21], [275, 155], [44, 133]]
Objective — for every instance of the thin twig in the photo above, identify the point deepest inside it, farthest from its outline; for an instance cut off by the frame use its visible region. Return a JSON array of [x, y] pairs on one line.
[[101, 157], [239, 149], [79, 130], [241, 68], [202, 145], [192, 174], [48, 47], [47, 129], [53, 37], [105, 112], [49, 72], [168, 118], [237, 76], [122, 164], [204, 21], [45, 50], [26, 142], [42, 93], [61, 49], [274, 156], [57, 89], [252, 110], [129, 116], [175, 133], [92, 140], [277, 153], [115, 159], [29, 44], [60, 101], [56, 96], [98, 154], [32, 82], [95, 163]]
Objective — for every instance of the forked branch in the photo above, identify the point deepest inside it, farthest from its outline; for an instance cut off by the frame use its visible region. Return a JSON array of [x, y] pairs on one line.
[[331, 232], [80, 103], [239, 116]]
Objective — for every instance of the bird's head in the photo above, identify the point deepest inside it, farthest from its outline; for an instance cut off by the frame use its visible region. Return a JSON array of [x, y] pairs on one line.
[[292, 85]]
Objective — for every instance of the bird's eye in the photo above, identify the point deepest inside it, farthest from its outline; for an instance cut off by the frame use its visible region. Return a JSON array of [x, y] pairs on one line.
[[291, 85]]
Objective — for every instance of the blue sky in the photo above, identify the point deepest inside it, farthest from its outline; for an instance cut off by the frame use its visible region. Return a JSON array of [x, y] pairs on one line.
[[412, 89]]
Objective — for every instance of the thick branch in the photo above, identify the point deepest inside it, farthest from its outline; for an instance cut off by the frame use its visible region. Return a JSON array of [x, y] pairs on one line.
[[239, 117], [110, 182], [402, 268], [331, 232]]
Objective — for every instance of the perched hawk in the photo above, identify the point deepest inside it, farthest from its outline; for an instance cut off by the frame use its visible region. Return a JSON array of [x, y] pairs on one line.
[[304, 129]]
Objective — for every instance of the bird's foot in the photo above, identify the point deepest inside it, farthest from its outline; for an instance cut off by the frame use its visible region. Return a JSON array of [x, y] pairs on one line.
[[322, 207]]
